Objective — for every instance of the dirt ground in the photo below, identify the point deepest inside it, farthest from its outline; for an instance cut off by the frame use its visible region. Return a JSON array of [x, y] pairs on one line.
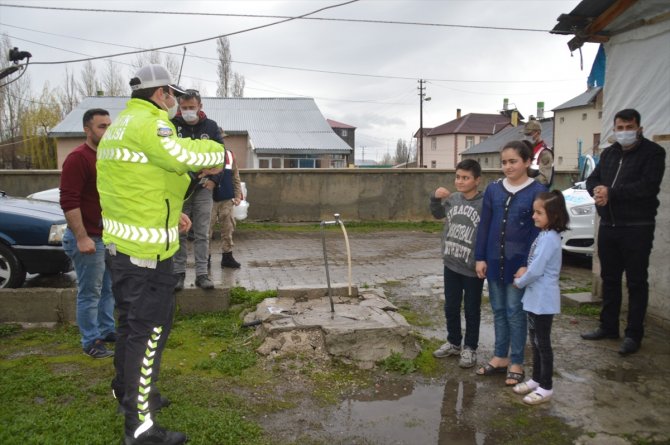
[[599, 397]]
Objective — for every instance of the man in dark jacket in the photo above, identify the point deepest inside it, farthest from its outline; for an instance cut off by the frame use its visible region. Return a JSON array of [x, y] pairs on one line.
[[191, 122], [625, 185]]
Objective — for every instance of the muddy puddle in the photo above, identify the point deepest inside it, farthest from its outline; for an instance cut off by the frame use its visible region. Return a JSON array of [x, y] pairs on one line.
[[409, 413]]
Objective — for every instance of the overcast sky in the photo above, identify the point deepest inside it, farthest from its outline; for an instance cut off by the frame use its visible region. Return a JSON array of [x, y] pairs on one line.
[[471, 69]]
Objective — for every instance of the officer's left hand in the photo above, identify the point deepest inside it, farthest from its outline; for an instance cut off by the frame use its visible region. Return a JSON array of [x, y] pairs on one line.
[[209, 185], [210, 171], [184, 223]]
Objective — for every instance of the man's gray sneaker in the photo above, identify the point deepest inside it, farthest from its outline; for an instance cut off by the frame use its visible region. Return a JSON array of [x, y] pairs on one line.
[[468, 358], [180, 282], [446, 350], [98, 350], [203, 282]]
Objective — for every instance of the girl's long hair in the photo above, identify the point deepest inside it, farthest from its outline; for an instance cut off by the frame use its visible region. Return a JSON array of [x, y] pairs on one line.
[[557, 213]]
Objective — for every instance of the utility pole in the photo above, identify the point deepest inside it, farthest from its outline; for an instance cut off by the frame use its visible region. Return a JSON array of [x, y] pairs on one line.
[[422, 97]]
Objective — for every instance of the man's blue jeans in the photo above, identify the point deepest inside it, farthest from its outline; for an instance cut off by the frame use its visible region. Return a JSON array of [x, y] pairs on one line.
[[509, 321], [95, 301]]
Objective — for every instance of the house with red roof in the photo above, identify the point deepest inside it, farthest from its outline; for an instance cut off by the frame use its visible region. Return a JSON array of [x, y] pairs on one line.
[[348, 135], [443, 145]]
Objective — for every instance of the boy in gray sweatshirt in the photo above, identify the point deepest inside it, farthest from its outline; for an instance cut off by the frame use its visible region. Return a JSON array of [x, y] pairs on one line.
[[461, 211]]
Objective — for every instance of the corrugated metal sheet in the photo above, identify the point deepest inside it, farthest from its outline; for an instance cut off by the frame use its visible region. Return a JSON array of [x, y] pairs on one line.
[[472, 123], [582, 100], [493, 144], [273, 124]]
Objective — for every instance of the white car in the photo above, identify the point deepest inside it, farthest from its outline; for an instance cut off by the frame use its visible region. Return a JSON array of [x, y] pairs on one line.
[[582, 210], [239, 212]]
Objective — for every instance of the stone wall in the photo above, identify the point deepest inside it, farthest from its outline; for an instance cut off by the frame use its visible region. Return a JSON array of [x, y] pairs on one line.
[[313, 194], [377, 195]]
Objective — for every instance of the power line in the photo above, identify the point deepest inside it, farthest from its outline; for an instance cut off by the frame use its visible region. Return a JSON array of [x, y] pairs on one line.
[[265, 65], [197, 41], [329, 19]]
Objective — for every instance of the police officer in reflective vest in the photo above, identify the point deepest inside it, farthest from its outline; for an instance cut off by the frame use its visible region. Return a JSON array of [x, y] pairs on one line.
[[142, 180]]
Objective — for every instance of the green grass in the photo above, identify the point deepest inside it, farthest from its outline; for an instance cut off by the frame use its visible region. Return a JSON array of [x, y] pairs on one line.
[[588, 310], [414, 318], [396, 363]]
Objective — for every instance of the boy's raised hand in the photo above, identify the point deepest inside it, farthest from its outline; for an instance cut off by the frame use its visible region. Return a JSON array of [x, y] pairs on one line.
[[442, 193]]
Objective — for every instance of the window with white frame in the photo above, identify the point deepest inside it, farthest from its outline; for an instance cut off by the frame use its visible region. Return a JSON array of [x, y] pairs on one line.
[[433, 144], [433, 164], [469, 141], [344, 133]]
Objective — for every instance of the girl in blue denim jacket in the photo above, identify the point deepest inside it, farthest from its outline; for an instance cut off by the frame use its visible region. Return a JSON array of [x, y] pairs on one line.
[[542, 298], [506, 231]]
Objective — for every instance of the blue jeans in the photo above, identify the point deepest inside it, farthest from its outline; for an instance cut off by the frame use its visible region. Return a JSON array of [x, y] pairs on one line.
[[509, 320], [461, 288], [95, 301]]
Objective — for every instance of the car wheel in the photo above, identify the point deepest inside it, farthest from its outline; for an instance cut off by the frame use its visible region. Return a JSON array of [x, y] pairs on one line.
[[12, 273]]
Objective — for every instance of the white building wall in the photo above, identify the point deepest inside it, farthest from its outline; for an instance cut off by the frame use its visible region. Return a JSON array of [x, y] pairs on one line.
[[570, 127]]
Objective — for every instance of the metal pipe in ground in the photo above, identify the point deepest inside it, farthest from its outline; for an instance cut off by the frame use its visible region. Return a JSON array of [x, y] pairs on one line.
[[325, 255]]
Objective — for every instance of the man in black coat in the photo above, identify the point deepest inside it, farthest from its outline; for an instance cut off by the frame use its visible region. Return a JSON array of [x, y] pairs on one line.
[[625, 186]]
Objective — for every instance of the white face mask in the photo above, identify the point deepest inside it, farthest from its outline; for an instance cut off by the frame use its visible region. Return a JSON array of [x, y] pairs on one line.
[[626, 138], [189, 115], [171, 110]]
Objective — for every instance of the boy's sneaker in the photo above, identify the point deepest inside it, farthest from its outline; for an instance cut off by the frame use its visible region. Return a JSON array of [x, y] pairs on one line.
[[157, 435], [468, 358], [98, 350], [446, 350]]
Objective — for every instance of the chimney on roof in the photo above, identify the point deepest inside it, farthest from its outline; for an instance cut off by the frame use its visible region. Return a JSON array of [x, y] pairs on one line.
[[515, 118], [458, 113], [505, 104], [540, 110]]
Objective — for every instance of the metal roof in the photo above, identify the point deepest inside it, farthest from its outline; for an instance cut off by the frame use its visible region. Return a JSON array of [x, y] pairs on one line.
[[584, 99], [273, 124], [493, 144], [473, 123]]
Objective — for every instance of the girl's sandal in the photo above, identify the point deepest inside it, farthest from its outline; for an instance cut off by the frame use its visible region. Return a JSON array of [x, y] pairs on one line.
[[489, 369], [517, 377]]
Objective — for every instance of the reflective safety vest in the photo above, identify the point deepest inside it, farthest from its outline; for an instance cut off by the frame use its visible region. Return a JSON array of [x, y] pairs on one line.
[[141, 166]]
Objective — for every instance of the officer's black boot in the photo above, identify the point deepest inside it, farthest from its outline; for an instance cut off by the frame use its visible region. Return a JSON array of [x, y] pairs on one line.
[[156, 435], [227, 260]]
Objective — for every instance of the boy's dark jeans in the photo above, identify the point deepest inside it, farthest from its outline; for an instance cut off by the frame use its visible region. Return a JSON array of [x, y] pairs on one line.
[[539, 331], [460, 288]]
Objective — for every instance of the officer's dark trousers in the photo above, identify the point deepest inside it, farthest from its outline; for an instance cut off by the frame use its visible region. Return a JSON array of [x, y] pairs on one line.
[[625, 249], [145, 304]]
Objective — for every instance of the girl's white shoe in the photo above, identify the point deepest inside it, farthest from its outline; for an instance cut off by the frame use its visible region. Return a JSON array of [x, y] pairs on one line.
[[523, 388], [535, 398]]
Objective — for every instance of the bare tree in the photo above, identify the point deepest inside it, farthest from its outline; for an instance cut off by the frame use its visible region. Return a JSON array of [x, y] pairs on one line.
[[387, 159], [15, 96], [224, 72], [88, 85], [111, 80], [68, 94], [402, 152], [36, 122], [237, 89], [169, 61]]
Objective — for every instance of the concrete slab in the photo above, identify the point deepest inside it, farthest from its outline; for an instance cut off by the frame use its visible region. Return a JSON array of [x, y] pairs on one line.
[[580, 298], [362, 330]]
